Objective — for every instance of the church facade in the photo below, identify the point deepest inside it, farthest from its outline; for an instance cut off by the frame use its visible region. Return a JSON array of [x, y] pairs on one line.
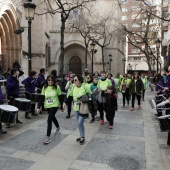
[[46, 39]]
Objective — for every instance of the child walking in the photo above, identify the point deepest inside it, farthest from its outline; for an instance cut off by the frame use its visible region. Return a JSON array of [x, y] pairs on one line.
[[111, 105]]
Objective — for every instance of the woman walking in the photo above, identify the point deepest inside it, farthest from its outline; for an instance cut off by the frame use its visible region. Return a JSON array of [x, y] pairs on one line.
[[124, 88], [136, 89], [68, 88], [52, 94], [111, 105], [80, 89]]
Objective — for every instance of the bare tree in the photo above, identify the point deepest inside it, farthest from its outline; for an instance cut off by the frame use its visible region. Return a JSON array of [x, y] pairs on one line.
[[65, 7], [147, 28]]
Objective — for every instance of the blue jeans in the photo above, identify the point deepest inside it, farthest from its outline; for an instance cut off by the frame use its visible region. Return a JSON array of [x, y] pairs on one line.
[[80, 121]]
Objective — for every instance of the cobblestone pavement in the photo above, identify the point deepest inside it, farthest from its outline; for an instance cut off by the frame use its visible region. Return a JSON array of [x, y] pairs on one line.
[[135, 143]]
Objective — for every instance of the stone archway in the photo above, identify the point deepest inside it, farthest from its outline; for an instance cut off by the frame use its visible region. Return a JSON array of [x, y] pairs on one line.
[[75, 65], [10, 43]]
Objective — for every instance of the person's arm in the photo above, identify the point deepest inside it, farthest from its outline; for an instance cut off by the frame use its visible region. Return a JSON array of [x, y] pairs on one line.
[[10, 84], [67, 85], [26, 81]]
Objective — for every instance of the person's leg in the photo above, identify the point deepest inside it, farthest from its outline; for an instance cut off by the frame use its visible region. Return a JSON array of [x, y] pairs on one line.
[[123, 94], [27, 95], [108, 114], [143, 94], [138, 98], [53, 112], [69, 108], [2, 130], [112, 115], [100, 107], [127, 95], [133, 100], [81, 126], [81, 129], [51, 115]]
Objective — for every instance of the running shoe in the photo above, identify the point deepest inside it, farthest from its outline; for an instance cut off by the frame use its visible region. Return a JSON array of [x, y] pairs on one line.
[[58, 130], [47, 140], [110, 127], [139, 106], [101, 122], [132, 109]]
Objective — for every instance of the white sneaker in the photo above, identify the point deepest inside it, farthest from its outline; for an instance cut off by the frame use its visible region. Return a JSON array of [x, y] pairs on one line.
[[58, 130], [47, 140]]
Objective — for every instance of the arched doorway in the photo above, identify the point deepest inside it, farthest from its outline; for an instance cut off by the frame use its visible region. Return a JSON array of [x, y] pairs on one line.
[[75, 65]]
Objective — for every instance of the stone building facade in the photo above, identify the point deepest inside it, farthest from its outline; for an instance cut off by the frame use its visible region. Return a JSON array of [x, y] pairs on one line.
[[46, 40]]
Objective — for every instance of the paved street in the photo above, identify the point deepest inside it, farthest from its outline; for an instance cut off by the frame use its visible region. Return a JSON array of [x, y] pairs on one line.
[[135, 143]]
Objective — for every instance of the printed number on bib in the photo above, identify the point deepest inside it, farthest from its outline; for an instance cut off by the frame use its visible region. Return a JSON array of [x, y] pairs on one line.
[[50, 100]]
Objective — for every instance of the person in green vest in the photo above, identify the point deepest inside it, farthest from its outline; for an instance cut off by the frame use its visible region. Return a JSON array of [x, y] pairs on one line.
[[136, 89], [69, 86], [93, 87], [89, 80], [102, 87], [80, 89], [124, 88], [53, 98], [145, 81]]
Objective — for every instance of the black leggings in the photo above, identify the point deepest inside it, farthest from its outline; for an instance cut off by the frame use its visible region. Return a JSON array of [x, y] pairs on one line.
[[11, 98], [101, 109], [51, 118], [110, 114], [126, 96], [133, 99], [69, 106], [143, 94]]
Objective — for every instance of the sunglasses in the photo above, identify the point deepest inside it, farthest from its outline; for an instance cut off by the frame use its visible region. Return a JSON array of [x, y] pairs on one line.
[[88, 77], [50, 80], [71, 77], [75, 80]]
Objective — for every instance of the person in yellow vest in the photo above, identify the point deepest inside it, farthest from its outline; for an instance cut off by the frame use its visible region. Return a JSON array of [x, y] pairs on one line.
[[124, 88], [136, 89]]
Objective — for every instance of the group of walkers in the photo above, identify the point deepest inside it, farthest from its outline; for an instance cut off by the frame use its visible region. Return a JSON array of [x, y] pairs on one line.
[[86, 93]]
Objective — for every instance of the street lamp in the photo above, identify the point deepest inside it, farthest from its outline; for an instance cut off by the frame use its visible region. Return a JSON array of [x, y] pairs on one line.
[[93, 51], [157, 42], [129, 67], [110, 60], [29, 8]]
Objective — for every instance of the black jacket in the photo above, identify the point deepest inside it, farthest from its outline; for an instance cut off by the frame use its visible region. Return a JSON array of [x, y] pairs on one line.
[[111, 101], [139, 86]]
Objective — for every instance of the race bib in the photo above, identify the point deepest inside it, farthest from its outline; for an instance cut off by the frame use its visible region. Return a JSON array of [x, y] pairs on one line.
[[50, 100]]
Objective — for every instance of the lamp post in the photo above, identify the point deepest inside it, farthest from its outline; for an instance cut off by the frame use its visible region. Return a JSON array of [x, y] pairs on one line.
[[110, 60], [29, 8], [157, 42], [129, 67], [93, 51]]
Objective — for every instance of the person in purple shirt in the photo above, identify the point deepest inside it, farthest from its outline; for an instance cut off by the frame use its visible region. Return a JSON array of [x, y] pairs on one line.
[[30, 84], [159, 89], [12, 90], [109, 76], [40, 80]]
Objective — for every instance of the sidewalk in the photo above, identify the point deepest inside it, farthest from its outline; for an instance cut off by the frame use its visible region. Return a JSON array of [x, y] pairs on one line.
[[135, 143]]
